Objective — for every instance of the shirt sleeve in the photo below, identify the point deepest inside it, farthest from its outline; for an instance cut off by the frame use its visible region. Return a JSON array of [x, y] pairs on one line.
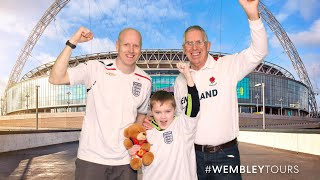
[[144, 108], [189, 125], [193, 102], [79, 74], [177, 96], [250, 58]]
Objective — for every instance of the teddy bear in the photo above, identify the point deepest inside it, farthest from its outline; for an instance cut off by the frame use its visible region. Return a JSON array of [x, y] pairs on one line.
[[136, 135]]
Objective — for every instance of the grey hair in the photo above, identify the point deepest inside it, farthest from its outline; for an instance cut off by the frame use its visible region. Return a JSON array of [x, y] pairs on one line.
[[195, 27]]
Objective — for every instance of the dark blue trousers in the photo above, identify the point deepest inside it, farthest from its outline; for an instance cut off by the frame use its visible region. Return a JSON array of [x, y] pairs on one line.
[[220, 165]]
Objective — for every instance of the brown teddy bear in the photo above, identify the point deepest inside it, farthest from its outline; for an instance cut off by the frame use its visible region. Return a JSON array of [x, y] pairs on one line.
[[136, 134]]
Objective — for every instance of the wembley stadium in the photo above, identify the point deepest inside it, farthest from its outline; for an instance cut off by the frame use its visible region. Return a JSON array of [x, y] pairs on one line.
[[269, 84], [283, 94]]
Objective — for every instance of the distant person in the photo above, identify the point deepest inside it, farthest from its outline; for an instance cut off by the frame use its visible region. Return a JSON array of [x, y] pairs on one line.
[[218, 127], [118, 93], [172, 138]]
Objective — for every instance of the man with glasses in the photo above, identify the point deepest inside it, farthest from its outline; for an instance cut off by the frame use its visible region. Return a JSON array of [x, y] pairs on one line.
[[218, 127]]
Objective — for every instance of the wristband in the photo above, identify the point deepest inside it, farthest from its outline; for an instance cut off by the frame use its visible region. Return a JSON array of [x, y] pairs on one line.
[[68, 43]]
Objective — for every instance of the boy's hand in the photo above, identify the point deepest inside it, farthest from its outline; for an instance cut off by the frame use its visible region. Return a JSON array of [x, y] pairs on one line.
[[133, 150], [183, 68], [147, 123]]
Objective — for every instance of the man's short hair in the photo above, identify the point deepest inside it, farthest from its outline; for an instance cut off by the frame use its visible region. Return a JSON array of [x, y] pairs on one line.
[[133, 29], [162, 97], [195, 27]]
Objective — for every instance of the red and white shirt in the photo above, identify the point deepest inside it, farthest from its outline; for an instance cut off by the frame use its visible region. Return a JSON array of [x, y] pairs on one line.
[[113, 101]]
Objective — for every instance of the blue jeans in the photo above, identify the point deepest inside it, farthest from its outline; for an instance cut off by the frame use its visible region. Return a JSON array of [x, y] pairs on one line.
[[221, 165]]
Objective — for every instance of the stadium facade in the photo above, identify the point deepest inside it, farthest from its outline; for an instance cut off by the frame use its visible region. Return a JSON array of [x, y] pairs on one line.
[[283, 94]]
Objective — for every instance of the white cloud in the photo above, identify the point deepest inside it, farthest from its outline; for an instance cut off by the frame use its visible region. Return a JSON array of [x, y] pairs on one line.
[[44, 58], [307, 9], [120, 13], [109, 17], [98, 45], [312, 64], [310, 37], [281, 17], [19, 17], [274, 42], [160, 9], [94, 9], [57, 29], [313, 69]]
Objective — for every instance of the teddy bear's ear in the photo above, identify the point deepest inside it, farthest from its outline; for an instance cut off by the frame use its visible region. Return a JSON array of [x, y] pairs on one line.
[[142, 129], [126, 133]]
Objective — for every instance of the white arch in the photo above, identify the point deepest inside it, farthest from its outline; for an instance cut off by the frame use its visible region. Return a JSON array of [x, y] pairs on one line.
[[292, 53]]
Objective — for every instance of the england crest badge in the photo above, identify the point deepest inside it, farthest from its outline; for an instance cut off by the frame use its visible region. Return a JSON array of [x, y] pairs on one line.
[[136, 88], [168, 137]]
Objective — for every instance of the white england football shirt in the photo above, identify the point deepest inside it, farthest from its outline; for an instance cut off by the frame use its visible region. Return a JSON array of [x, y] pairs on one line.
[[173, 149], [113, 101]]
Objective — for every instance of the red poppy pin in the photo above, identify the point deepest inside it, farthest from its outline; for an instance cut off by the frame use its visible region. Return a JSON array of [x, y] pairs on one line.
[[212, 81]]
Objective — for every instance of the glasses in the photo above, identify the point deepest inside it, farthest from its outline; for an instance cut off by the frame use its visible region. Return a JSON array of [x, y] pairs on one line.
[[198, 43]]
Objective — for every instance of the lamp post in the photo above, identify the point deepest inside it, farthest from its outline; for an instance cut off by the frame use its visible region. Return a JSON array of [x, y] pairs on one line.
[[263, 105], [37, 102], [2, 105], [27, 105], [281, 104], [68, 102], [257, 97]]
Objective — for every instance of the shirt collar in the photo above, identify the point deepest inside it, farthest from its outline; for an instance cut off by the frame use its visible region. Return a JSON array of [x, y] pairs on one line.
[[120, 72], [210, 63]]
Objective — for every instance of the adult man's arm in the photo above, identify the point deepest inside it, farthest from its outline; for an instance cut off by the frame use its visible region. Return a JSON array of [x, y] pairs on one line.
[[247, 60], [259, 42], [58, 74], [140, 118]]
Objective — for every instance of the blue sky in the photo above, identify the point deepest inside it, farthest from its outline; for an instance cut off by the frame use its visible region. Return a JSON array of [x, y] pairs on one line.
[[161, 23]]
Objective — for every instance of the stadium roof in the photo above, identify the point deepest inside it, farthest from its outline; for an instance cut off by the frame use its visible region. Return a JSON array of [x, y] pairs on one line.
[[151, 59]]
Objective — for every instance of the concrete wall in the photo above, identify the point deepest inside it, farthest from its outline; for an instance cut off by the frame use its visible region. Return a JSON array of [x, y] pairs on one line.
[[12, 142], [276, 121], [70, 120], [305, 142]]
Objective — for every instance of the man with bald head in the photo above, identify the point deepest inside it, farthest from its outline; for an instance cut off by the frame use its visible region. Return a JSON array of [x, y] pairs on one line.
[[118, 94]]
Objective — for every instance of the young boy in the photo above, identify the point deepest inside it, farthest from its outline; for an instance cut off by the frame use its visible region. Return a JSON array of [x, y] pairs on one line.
[[172, 138]]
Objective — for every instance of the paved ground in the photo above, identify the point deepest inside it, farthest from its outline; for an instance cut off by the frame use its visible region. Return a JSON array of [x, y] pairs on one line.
[[57, 162], [279, 160]]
